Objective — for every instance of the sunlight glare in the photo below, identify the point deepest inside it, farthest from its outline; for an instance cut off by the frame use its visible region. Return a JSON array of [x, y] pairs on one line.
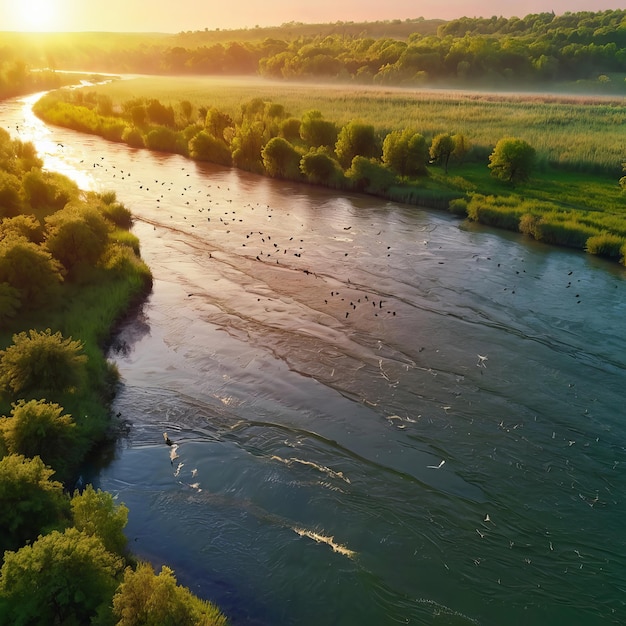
[[38, 15]]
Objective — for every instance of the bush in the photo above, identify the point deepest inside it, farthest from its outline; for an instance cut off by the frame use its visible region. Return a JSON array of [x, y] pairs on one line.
[[320, 168], [205, 147], [115, 211], [606, 244], [133, 137], [281, 159], [29, 269], [512, 160], [41, 363], [38, 428], [163, 139], [31, 501], [96, 514], [77, 234], [458, 206], [62, 578], [147, 598], [369, 175]]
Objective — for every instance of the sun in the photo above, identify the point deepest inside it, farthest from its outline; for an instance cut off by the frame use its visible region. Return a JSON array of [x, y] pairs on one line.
[[37, 15]]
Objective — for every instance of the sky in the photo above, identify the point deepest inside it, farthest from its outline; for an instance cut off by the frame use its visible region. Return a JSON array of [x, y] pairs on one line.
[[172, 16]]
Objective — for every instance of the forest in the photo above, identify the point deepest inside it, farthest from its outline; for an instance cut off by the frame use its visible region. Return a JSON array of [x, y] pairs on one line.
[[584, 51]]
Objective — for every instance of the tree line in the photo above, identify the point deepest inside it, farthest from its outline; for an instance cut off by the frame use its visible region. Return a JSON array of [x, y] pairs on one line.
[[397, 164], [68, 263], [535, 49], [264, 139]]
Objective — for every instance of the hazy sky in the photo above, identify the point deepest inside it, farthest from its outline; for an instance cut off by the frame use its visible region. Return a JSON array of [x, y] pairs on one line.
[[178, 15]]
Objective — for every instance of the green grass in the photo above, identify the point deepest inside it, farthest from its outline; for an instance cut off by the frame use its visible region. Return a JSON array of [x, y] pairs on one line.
[[577, 133]]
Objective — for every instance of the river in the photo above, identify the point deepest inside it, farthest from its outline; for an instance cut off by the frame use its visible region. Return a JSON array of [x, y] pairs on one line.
[[379, 414]]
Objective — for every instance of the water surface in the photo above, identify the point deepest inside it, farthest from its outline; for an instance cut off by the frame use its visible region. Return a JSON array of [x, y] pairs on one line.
[[380, 414]]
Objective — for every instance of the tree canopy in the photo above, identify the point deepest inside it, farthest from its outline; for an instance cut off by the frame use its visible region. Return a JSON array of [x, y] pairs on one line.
[[512, 160], [41, 363], [31, 501], [148, 599], [62, 578], [39, 428]]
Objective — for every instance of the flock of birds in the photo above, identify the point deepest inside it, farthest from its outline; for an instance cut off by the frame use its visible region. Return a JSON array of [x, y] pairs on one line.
[[210, 205]]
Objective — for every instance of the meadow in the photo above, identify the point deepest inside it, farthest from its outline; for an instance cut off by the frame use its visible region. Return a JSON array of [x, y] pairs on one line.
[[572, 132]]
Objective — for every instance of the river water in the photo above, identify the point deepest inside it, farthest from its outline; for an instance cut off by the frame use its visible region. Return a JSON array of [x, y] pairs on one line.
[[379, 414]]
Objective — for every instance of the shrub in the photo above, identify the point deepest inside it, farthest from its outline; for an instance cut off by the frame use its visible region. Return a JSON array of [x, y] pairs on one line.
[[96, 514], [320, 168], [115, 211], [41, 363], [31, 501], [147, 598], [62, 578], [29, 269], [38, 428], [162, 139], [512, 160], [133, 137], [205, 147], [606, 244], [77, 234], [458, 206], [281, 159]]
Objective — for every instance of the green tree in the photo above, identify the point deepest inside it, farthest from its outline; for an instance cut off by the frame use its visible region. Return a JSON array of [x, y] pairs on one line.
[[146, 599], [186, 110], [356, 139], [512, 160], [26, 226], [163, 139], [30, 269], [10, 200], [206, 146], [369, 175], [10, 302], [62, 578], [31, 501], [39, 428], [216, 122], [47, 191], [281, 159], [461, 147], [441, 149], [289, 129], [95, 513], [246, 146], [41, 363], [405, 152], [320, 168], [77, 234], [160, 114], [316, 131]]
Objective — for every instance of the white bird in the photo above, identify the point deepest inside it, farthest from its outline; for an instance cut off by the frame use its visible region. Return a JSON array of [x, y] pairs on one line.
[[436, 466], [481, 361], [194, 472]]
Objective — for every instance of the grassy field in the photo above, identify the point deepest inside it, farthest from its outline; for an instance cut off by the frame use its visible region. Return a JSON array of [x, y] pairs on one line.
[[576, 133]]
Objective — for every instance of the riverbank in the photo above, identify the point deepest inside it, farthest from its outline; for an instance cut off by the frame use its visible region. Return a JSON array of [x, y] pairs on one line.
[[576, 202], [70, 274]]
